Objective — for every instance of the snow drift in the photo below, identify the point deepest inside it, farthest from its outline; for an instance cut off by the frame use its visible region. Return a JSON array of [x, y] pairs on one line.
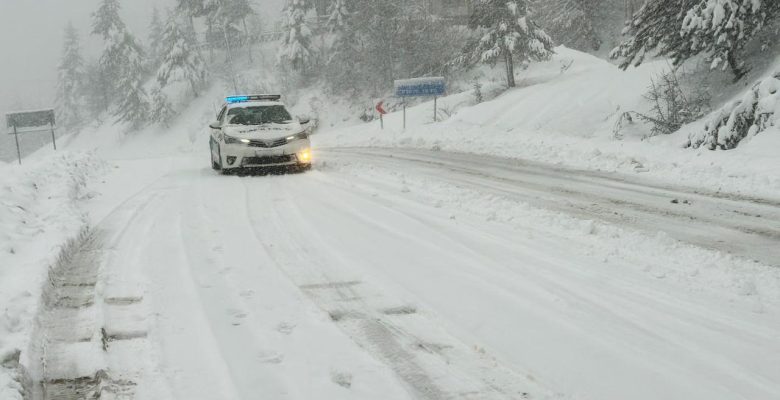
[[39, 211]]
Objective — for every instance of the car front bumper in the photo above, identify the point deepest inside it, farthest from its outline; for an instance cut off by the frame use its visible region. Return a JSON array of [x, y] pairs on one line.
[[297, 153]]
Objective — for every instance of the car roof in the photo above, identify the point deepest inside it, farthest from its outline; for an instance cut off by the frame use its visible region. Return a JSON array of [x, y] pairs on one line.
[[246, 104]]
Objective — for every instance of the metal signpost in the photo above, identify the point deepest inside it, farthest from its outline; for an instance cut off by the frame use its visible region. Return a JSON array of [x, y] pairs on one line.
[[421, 87], [31, 121], [380, 108]]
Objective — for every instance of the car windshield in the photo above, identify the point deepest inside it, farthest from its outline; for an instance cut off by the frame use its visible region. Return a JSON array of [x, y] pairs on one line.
[[258, 115]]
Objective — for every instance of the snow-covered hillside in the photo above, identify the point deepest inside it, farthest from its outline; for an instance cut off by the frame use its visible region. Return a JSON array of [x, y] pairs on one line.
[[567, 117]]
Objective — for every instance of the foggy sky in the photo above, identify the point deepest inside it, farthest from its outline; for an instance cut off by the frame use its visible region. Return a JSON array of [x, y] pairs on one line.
[[31, 42]]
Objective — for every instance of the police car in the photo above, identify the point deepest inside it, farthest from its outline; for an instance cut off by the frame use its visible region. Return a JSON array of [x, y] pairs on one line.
[[257, 131]]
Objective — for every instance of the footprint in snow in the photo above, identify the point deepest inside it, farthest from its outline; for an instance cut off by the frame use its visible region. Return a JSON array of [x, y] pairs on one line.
[[270, 358], [237, 315], [343, 379], [285, 328]]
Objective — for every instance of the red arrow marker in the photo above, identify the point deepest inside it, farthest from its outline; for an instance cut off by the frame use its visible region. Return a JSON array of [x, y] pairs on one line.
[[380, 109]]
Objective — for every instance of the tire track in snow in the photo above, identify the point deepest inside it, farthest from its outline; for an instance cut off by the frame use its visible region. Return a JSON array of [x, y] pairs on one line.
[[73, 335], [433, 364]]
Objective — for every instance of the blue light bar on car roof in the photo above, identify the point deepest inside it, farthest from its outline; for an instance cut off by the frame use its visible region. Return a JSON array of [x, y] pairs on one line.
[[254, 97]]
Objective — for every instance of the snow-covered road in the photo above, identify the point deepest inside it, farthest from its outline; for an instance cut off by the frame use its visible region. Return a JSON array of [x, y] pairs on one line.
[[746, 227], [390, 274]]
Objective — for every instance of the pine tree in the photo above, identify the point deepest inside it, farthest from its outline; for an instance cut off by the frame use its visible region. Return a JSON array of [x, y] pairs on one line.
[[343, 52], [681, 29], [133, 106], [97, 89], [722, 28], [181, 60], [570, 22], [107, 24], [296, 48], [156, 30], [106, 20], [69, 83], [509, 33], [192, 9], [227, 14], [162, 111], [121, 65], [338, 15]]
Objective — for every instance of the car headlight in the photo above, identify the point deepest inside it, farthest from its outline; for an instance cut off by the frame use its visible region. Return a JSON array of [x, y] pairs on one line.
[[304, 156], [232, 140], [298, 136]]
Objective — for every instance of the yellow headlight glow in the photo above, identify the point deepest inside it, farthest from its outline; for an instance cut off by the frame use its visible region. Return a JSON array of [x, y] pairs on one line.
[[305, 155]]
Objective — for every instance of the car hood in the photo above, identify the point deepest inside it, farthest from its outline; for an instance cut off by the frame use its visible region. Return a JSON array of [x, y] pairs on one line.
[[262, 132]]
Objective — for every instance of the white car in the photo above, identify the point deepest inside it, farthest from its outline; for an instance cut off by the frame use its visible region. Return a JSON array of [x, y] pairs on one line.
[[257, 131]]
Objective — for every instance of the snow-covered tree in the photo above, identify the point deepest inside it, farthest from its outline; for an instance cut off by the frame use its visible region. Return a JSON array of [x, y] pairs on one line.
[[162, 111], [338, 16], [570, 22], [97, 87], [656, 26], [109, 26], [296, 49], [227, 16], [181, 60], [106, 20], [509, 33], [69, 83], [681, 29], [121, 65], [340, 62], [192, 9], [233, 11], [133, 105], [373, 42], [156, 30], [721, 28]]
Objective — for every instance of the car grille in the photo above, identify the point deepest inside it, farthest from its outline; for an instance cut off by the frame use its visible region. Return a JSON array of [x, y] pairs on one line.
[[269, 160], [268, 144]]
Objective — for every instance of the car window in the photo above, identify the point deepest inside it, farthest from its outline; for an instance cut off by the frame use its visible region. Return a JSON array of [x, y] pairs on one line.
[[258, 115], [221, 114]]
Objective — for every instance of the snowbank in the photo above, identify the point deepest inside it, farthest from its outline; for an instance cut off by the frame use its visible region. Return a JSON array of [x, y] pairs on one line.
[[564, 112], [39, 211]]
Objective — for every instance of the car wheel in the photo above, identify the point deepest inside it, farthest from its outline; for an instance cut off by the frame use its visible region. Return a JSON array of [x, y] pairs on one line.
[[216, 165]]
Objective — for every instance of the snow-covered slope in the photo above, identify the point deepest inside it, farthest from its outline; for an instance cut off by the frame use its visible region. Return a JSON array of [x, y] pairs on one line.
[[40, 209], [568, 116]]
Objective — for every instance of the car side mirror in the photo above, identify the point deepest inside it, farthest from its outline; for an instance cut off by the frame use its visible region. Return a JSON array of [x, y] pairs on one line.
[[215, 125], [304, 121]]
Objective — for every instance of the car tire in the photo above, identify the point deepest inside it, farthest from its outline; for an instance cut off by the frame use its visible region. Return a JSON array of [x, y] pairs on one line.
[[216, 165]]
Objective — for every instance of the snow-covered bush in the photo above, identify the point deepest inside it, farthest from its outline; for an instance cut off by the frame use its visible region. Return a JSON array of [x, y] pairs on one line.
[[671, 106], [758, 110]]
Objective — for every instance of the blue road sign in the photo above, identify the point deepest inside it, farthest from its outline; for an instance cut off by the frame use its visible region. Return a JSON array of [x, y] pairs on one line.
[[420, 87]]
